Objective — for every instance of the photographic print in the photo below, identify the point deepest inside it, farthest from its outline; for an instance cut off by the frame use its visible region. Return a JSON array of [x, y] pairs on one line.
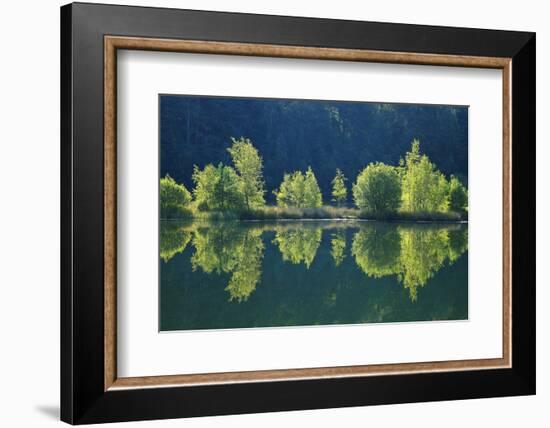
[[289, 212]]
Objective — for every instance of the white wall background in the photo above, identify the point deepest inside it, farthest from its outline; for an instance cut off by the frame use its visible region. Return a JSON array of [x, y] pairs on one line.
[[29, 218]]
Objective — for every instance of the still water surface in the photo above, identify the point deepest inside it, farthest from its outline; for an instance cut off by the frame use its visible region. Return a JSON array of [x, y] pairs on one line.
[[296, 273]]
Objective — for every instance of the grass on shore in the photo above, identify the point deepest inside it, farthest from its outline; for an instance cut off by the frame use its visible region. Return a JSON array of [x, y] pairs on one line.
[[277, 213], [450, 216], [324, 212]]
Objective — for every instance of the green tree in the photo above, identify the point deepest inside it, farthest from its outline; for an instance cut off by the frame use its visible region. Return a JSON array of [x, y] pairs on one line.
[[424, 188], [312, 193], [378, 188], [217, 188], [299, 190], [174, 198], [458, 195], [248, 164], [339, 190], [291, 190], [206, 181]]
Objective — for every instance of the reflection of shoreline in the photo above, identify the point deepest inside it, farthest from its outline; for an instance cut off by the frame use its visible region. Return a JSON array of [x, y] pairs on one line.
[[325, 224], [411, 252], [301, 220], [349, 220]]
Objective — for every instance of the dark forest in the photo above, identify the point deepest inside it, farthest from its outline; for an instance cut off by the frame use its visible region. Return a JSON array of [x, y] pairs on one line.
[[295, 134]]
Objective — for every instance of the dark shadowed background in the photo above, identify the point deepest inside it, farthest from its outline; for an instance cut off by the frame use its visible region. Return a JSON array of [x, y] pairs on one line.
[[294, 134]]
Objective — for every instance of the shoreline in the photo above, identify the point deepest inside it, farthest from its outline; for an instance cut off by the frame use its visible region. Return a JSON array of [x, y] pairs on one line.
[[352, 220], [270, 220]]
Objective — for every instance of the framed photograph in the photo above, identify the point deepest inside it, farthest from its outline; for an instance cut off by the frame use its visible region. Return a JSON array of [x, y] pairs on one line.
[[266, 213]]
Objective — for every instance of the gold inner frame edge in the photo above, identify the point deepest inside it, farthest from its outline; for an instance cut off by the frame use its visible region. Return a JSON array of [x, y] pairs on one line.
[[113, 43]]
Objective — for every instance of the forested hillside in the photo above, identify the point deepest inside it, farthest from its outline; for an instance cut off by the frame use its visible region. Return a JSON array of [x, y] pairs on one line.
[[293, 135]]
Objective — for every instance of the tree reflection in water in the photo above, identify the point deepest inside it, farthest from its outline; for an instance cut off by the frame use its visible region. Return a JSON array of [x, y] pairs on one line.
[[173, 240], [376, 249], [413, 253], [230, 250], [338, 247], [298, 245]]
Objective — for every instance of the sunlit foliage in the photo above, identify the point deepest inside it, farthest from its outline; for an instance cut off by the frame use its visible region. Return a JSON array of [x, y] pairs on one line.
[[312, 195], [458, 195], [291, 190], [339, 190], [248, 164], [299, 190], [217, 188], [378, 189], [174, 198], [424, 187], [415, 189], [292, 134]]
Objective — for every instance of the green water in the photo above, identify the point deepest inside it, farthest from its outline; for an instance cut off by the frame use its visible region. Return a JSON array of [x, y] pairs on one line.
[[297, 273]]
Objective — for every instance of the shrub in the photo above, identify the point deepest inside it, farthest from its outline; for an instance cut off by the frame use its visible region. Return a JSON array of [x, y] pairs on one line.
[[174, 198], [458, 195], [378, 189]]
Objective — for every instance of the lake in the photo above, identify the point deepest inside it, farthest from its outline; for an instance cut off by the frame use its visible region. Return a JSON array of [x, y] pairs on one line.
[[219, 275]]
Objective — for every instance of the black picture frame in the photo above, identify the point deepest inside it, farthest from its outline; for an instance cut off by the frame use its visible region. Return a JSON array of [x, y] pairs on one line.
[[83, 398]]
